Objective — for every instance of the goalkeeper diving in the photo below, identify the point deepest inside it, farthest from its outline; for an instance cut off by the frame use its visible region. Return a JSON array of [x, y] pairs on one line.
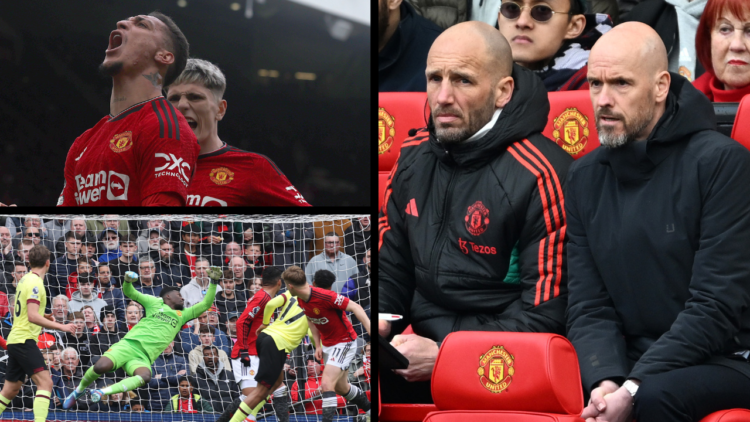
[[137, 351]]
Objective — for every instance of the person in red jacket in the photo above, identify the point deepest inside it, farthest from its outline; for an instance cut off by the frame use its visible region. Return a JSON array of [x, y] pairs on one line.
[[143, 153], [312, 397]]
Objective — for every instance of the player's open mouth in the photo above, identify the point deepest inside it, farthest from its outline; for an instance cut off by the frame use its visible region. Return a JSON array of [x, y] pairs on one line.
[[115, 40], [191, 122]]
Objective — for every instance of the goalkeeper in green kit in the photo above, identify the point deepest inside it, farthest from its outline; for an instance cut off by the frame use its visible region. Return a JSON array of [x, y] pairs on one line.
[[140, 347]]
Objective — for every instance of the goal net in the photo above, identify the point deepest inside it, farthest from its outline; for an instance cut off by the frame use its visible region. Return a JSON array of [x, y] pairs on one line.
[[195, 378]]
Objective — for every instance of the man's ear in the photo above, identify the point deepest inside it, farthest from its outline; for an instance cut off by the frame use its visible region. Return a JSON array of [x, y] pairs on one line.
[[220, 115], [663, 80], [575, 27], [503, 91], [164, 57]]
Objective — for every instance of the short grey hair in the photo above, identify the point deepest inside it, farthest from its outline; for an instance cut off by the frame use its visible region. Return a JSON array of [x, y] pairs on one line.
[[67, 350], [204, 73]]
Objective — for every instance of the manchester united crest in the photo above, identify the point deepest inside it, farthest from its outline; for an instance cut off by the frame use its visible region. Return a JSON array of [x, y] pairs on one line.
[[571, 130], [317, 311], [496, 369], [221, 176], [386, 130], [477, 218], [121, 142]]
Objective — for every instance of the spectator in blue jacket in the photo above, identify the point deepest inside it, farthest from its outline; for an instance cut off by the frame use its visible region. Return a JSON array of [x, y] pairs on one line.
[[357, 288], [167, 370]]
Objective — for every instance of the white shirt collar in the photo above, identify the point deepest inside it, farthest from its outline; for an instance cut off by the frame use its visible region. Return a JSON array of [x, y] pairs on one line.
[[481, 132]]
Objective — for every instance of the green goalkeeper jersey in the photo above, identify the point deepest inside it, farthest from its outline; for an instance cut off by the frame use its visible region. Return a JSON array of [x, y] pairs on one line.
[[161, 323]]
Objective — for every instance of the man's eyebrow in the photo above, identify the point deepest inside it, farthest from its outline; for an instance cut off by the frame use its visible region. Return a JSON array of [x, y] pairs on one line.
[[142, 19]]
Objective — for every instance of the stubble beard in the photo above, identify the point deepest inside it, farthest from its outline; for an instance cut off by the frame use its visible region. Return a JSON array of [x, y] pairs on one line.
[[111, 69], [631, 129], [477, 119]]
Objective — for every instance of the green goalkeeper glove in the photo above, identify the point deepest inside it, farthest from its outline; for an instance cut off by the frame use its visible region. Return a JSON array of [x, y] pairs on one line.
[[130, 277], [215, 274]]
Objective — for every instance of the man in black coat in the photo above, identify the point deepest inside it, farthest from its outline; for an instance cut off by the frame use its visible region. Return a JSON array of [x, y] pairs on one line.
[[473, 231], [658, 257], [215, 382]]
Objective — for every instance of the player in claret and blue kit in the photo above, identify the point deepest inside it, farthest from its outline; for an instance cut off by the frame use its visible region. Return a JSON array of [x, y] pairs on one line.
[[226, 176], [137, 351], [143, 153]]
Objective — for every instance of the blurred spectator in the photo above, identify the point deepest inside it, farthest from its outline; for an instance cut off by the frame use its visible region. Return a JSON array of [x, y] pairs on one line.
[[71, 375], [64, 266], [89, 248], [53, 359], [167, 370], [6, 249], [240, 269], [446, 13], [109, 245], [85, 295], [359, 370], [189, 337], [289, 243], [231, 249], [91, 319], [149, 282], [56, 228], [77, 226], [196, 290], [79, 340], [186, 401], [113, 403], [109, 293], [312, 398], [357, 239], [54, 370], [133, 314], [404, 39], [357, 288], [724, 51], [676, 22], [110, 221], [333, 260], [13, 224], [215, 382], [232, 326], [34, 231], [19, 270], [61, 309], [190, 248], [138, 406], [228, 300], [22, 251], [254, 257], [127, 261], [149, 238], [111, 332], [173, 272], [207, 339], [213, 317]]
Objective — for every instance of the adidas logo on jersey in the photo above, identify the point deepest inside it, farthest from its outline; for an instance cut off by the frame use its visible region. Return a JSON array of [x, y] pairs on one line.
[[91, 187], [195, 201]]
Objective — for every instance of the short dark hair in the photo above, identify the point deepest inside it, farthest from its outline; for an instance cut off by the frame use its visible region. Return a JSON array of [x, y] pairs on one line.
[[177, 44], [205, 330], [294, 275], [78, 315], [38, 256], [270, 276], [168, 289], [128, 238], [329, 234], [211, 347], [73, 235], [184, 378], [82, 260], [85, 278], [324, 279]]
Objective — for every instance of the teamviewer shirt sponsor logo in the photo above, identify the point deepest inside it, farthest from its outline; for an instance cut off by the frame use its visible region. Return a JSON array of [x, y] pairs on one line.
[[91, 187], [174, 167]]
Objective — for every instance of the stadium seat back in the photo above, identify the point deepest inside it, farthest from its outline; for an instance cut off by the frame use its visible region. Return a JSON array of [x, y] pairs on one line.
[[741, 129], [483, 416], [571, 122], [398, 112], [731, 415], [503, 371], [382, 182]]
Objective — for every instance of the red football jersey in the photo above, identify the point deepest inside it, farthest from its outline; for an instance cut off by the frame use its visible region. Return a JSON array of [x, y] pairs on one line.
[[248, 323], [147, 149], [325, 309], [231, 177]]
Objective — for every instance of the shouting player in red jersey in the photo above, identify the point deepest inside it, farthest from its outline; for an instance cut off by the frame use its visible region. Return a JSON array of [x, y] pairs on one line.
[[226, 176], [144, 152], [331, 327]]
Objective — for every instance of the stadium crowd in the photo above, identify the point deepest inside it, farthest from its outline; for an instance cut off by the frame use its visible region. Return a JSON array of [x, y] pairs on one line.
[[194, 374], [636, 252]]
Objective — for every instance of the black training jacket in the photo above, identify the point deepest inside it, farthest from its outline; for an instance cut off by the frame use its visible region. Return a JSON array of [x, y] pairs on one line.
[[472, 237], [659, 250]]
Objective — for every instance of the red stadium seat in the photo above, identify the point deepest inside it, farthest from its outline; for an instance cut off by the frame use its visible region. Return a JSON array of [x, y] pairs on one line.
[[514, 376], [741, 129], [382, 181], [398, 112], [571, 122], [732, 415]]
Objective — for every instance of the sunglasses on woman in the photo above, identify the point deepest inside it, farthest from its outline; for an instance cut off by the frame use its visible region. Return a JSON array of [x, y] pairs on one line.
[[539, 13]]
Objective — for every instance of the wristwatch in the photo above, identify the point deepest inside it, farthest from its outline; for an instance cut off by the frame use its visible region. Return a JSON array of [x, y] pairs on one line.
[[631, 387]]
